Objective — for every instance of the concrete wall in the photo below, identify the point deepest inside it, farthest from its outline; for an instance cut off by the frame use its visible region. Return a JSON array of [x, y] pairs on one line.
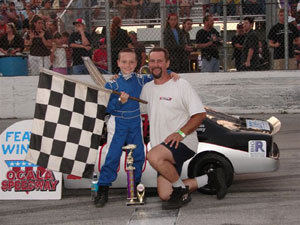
[[235, 93]]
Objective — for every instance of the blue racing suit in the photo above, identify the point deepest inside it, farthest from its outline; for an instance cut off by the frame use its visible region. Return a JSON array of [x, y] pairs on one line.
[[124, 127]]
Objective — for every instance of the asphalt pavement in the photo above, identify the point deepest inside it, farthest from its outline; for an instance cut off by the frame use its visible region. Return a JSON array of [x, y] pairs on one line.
[[254, 199]]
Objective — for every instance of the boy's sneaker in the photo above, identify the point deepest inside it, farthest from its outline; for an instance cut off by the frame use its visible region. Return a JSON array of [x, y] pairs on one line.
[[102, 196], [216, 179], [178, 198]]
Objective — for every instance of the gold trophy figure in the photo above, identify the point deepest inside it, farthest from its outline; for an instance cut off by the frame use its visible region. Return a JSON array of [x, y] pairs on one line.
[[140, 192], [131, 196]]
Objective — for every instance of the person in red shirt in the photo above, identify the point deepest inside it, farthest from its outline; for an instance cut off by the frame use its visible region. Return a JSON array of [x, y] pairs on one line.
[[100, 56], [3, 26]]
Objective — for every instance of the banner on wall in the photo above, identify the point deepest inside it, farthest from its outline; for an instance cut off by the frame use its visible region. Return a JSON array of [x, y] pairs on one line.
[[20, 179]]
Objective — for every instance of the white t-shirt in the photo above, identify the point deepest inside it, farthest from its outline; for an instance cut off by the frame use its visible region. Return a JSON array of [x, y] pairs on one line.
[[60, 58], [169, 107]]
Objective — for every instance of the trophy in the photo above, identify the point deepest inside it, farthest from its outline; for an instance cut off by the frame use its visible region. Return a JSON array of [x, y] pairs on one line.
[[131, 196], [140, 192]]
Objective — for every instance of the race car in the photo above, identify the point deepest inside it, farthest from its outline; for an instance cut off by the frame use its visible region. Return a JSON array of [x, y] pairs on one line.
[[236, 144]]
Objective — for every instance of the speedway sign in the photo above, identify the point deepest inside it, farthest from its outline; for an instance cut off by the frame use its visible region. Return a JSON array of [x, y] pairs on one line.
[[20, 179]]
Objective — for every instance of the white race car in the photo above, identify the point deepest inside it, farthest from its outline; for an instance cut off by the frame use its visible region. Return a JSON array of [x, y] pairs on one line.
[[238, 145]]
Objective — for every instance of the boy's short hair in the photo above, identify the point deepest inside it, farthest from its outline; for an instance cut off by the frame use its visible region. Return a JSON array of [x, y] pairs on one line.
[[249, 19], [187, 20], [127, 50], [206, 18], [159, 49]]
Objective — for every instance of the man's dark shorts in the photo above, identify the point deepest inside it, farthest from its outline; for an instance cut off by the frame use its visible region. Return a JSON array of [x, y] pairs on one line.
[[180, 154]]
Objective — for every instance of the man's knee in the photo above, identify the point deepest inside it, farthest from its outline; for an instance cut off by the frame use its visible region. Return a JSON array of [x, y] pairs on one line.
[[158, 154]]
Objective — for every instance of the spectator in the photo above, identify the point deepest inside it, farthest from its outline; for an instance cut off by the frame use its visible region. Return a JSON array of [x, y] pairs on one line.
[[11, 43], [237, 43], [58, 55], [66, 37], [276, 41], [96, 15], [251, 7], [208, 40], [139, 49], [36, 5], [231, 9], [188, 48], [215, 7], [40, 43], [47, 10], [185, 7], [128, 8], [297, 52], [15, 16], [95, 37], [250, 59], [66, 22], [19, 4], [30, 15], [171, 6], [174, 43], [25, 11], [150, 9], [80, 42], [51, 26], [100, 57], [119, 40], [263, 55], [4, 13], [3, 26]]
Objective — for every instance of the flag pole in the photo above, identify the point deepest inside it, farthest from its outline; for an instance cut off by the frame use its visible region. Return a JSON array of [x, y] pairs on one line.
[[99, 79]]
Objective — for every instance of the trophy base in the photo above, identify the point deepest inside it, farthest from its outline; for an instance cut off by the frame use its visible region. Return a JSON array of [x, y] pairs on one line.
[[133, 202]]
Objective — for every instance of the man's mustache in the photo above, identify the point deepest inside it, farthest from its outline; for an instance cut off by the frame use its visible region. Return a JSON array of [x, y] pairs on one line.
[[156, 68]]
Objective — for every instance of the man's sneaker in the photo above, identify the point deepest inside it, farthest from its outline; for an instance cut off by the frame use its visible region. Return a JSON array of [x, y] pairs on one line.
[[178, 198], [102, 196], [216, 179]]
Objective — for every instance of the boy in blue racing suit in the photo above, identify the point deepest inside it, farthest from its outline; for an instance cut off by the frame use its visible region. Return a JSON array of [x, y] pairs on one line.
[[124, 124]]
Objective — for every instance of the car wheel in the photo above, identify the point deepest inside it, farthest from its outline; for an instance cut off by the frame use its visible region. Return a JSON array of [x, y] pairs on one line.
[[209, 161]]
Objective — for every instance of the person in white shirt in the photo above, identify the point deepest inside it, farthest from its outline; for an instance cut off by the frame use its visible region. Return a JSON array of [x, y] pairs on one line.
[[175, 112], [58, 55]]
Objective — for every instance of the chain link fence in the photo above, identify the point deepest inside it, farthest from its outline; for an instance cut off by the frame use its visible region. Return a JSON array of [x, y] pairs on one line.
[[201, 35]]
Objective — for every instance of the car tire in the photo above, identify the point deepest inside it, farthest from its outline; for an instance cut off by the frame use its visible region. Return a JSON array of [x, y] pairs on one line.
[[208, 161]]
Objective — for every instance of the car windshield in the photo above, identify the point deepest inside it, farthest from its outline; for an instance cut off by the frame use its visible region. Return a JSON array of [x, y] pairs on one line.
[[227, 121], [236, 122]]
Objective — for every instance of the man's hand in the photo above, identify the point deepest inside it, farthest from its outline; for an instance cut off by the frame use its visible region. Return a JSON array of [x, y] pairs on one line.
[[124, 97], [172, 139], [174, 76]]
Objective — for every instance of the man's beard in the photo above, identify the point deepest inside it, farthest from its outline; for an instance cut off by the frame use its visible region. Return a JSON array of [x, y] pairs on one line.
[[156, 76]]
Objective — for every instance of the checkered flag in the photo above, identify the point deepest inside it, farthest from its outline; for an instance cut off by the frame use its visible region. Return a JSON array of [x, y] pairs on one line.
[[67, 124]]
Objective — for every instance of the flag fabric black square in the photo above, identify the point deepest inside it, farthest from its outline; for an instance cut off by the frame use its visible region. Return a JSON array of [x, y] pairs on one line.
[[67, 124]]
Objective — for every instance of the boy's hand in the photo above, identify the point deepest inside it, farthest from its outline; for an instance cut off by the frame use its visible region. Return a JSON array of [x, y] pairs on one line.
[[114, 77], [175, 76], [124, 97]]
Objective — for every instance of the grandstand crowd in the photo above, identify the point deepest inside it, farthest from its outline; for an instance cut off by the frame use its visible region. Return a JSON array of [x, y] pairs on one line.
[[53, 37]]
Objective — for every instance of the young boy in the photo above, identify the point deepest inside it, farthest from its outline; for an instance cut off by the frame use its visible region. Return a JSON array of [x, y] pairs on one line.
[[124, 124]]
